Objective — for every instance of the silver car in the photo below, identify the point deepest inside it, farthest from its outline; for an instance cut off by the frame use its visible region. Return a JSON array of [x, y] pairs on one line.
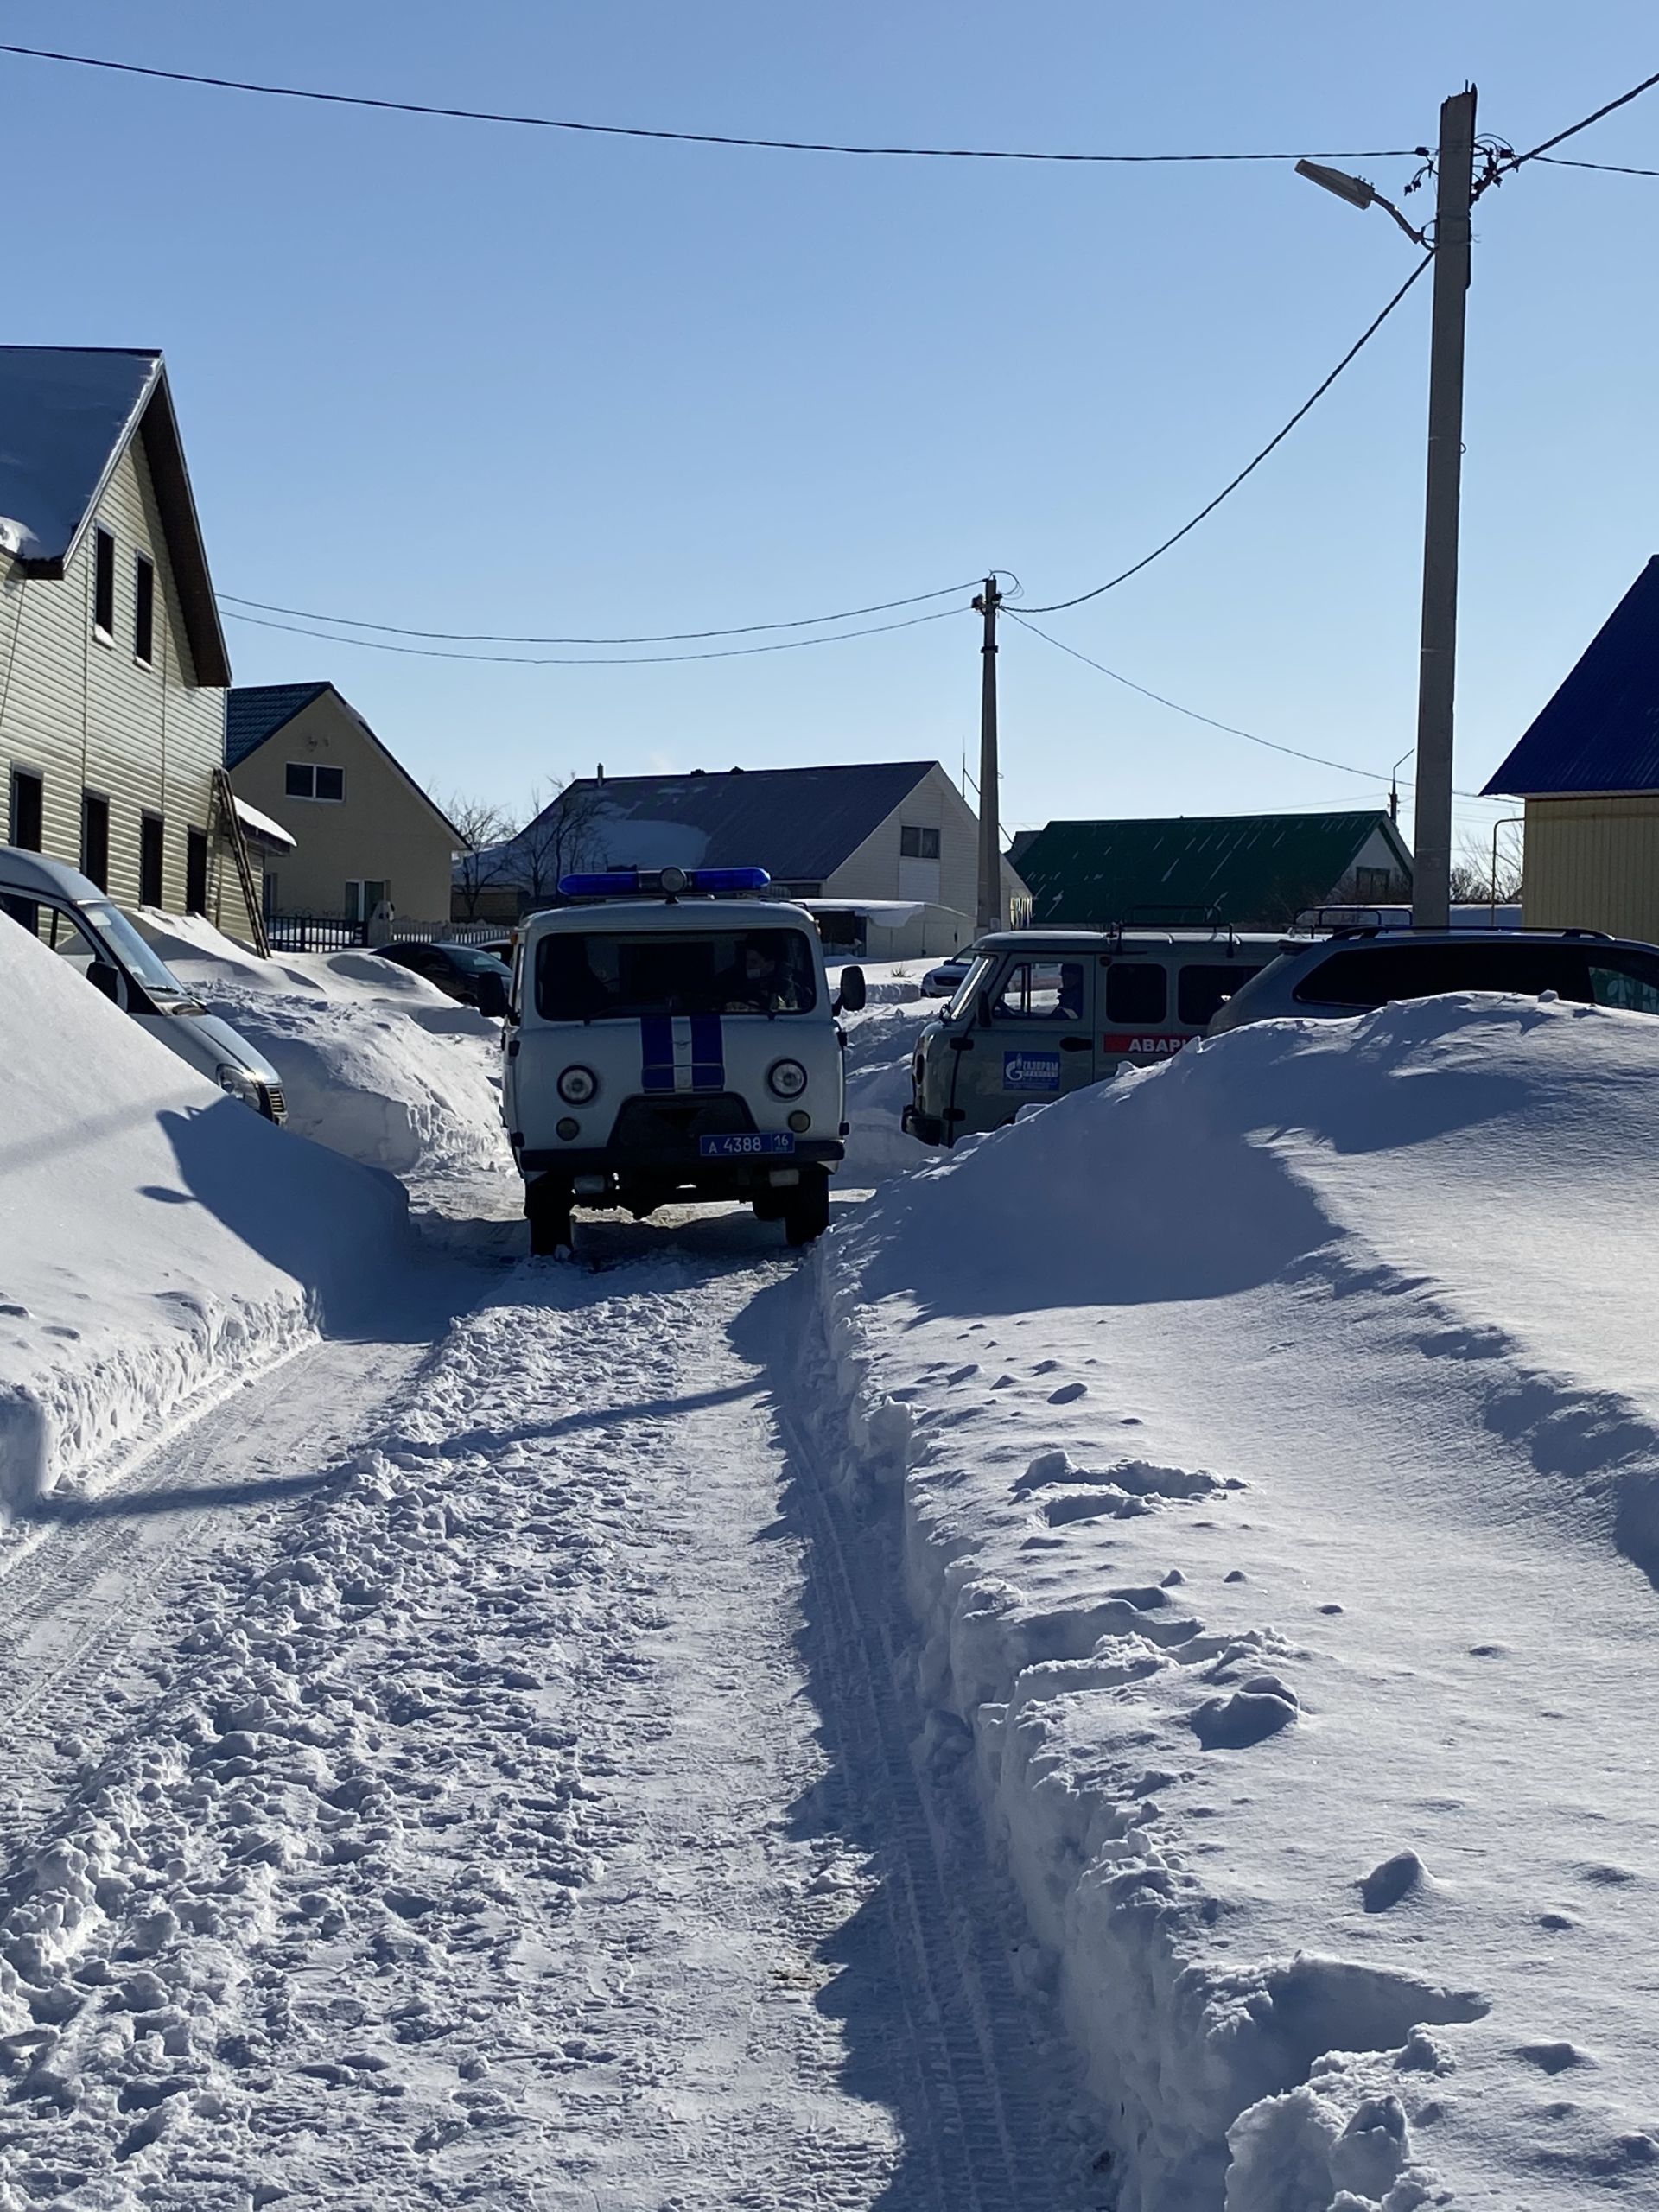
[[1355, 971]]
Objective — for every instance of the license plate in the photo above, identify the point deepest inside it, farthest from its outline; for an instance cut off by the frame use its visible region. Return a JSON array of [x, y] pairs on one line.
[[750, 1144]]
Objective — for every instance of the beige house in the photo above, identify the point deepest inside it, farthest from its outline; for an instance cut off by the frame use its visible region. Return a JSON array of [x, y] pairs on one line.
[[1587, 774], [885, 853], [363, 831], [112, 663]]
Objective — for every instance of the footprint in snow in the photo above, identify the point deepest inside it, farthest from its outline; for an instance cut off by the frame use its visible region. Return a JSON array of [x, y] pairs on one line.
[[1257, 1709], [1392, 1882], [1068, 1394], [1553, 2057]]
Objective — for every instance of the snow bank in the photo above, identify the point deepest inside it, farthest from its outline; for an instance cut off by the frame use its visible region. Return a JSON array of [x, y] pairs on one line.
[[156, 1236], [1276, 1438], [375, 1062]]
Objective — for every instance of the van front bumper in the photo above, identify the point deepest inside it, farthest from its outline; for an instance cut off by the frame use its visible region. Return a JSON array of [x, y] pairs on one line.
[[674, 1164]]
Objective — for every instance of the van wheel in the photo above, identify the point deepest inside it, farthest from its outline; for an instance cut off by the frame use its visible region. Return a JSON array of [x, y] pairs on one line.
[[807, 1215], [548, 1206]]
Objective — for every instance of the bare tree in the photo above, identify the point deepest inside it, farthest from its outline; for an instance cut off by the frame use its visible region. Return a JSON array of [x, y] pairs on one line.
[[558, 838], [1475, 882], [486, 827]]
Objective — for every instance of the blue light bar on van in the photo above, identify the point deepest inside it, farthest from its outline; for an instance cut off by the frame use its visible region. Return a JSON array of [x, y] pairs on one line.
[[620, 882]]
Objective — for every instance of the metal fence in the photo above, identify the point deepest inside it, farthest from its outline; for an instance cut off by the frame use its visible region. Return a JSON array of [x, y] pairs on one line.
[[340, 933]]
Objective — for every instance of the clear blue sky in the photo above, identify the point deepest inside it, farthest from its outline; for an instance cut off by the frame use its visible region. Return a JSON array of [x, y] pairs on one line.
[[473, 378]]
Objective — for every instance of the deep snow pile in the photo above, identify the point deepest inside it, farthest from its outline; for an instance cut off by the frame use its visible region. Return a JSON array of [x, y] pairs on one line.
[[156, 1236], [375, 1062], [1277, 1434]]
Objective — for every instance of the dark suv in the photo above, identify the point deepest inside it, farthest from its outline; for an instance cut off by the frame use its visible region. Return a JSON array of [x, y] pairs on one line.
[[1357, 970]]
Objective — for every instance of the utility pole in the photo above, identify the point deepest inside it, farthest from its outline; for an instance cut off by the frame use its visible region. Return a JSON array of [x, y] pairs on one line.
[[1437, 671], [990, 915]]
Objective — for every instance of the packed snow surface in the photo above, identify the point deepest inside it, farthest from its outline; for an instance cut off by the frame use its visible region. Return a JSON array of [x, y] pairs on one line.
[[1276, 1440], [375, 1062], [156, 1237]]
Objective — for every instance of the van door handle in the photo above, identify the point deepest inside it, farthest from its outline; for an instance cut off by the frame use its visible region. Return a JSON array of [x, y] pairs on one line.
[[1076, 1043]]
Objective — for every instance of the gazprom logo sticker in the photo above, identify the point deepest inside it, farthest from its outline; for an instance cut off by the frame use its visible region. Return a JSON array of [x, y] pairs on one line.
[[1030, 1070]]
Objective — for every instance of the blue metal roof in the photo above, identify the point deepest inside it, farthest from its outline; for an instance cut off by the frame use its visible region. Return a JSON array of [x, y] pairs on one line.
[[254, 712], [65, 411], [1600, 732], [798, 824]]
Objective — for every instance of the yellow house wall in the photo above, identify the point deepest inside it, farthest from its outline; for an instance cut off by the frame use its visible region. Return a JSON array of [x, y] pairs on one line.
[[85, 715], [1593, 864], [383, 831]]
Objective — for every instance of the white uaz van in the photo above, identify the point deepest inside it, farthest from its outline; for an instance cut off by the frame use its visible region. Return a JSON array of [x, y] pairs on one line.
[[683, 1045], [69, 914], [1041, 1012]]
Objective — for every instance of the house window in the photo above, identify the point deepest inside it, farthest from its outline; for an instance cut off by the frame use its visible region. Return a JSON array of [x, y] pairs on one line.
[[195, 871], [28, 809], [152, 835], [143, 608], [362, 896], [1372, 885], [95, 838], [916, 843], [306, 780], [104, 585]]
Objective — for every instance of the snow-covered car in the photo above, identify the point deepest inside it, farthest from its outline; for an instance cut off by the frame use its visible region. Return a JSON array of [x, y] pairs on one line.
[[70, 915], [1358, 970], [677, 1040], [1042, 1012]]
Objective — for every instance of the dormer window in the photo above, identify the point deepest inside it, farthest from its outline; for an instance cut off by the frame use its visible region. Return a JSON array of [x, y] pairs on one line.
[[143, 608], [104, 585]]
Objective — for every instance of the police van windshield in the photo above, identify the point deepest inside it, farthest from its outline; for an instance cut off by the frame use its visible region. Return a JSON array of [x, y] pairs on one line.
[[594, 978]]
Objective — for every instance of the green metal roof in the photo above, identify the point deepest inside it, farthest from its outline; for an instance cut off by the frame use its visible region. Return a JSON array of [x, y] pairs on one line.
[[1252, 870]]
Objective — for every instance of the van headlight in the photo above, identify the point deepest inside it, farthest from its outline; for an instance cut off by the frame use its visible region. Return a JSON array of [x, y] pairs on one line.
[[578, 1085], [237, 1083], [786, 1079]]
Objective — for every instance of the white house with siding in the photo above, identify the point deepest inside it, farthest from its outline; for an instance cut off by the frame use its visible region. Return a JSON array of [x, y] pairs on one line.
[[113, 667]]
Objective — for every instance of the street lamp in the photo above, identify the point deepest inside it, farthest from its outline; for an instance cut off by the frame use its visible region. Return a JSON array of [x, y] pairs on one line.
[[1358, 193], [1394, 784], [1437, 667]]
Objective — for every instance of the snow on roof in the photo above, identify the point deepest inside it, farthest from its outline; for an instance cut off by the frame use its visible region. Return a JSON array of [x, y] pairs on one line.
[[886, 913], [65, 411], [262, 827]]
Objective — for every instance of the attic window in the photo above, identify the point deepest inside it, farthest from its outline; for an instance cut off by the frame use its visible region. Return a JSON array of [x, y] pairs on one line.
[[308, 779], [104, 584], [143, 608], [917, 844]]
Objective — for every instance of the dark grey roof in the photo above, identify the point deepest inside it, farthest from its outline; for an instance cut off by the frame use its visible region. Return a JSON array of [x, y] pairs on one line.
[[1600, 732], [67, 414], [1249, 869], [254, 712], [798, 824]]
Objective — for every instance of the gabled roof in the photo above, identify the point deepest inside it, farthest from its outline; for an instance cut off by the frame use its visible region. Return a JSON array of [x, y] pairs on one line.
[[67, 415], [800, 823], [254, 712], [1249, 868], [1600, 732]]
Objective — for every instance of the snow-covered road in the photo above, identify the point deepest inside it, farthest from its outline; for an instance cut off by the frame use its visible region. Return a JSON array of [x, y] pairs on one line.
[[484, 1773]]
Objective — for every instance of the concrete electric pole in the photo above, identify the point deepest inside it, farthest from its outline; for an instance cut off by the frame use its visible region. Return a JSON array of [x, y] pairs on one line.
[[1437, 673], [990, 915]]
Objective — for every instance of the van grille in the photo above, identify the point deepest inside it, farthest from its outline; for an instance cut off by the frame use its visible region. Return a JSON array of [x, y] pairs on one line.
[[675, 1125]]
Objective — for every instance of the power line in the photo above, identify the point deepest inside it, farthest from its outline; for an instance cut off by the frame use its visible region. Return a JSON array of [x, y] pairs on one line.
[[1345, 767], [1607, 168], [1537, 153], [623, 660], [679, 137], [231, 600], [1308, 404]]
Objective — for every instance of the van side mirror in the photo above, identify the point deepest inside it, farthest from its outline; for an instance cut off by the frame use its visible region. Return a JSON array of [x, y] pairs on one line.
[[492, 998], [104, 977], [852, 997]]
